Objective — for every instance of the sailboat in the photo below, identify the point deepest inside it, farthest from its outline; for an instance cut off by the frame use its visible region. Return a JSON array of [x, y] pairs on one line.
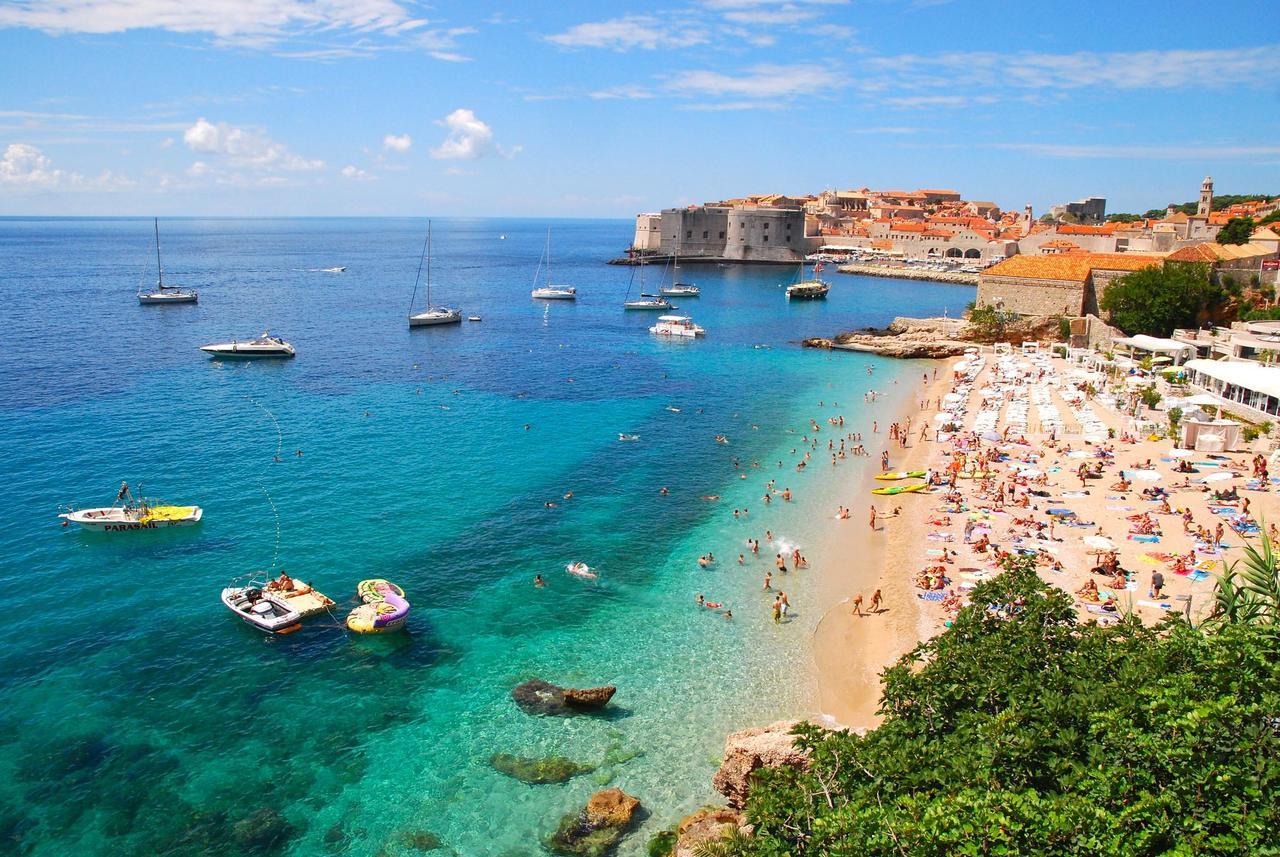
[[677, 288], [432, 315], [163, 294], [645, 301], [550, 292], [808, 290]]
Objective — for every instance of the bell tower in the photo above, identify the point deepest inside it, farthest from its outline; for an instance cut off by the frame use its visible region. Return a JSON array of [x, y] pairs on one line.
[[1206, 198]]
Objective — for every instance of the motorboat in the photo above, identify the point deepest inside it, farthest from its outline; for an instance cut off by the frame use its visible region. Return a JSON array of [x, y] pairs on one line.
[[549, 291], [649, 302], [474, 318], [627, 438], [338, 270], [130, 513], [808, 290], [676, 325], [680, 290], [262, 609], [264, 346], [163, 294], [432, 316]]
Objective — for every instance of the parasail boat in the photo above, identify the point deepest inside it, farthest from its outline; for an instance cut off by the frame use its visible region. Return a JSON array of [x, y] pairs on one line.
[[264, 346], [130, 513], [163, 294], [265, 610], [432, 315], [676, 325], [548, 291]]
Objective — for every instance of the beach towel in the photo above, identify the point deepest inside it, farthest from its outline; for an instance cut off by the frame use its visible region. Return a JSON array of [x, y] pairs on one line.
[[1074, 494], [935, 552], [1159, 605], [1119, 508], [932, 595], [1199, 575], [1065, 513], [1206, 565], [1145, 539], [939, 537]]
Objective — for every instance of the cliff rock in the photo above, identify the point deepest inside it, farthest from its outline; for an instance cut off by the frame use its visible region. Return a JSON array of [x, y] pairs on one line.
[[749, 750], [707, 825]]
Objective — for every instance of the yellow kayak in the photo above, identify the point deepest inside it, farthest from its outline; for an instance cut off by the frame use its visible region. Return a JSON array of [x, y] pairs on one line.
[[900, 489], [981, 474], [901, 474]]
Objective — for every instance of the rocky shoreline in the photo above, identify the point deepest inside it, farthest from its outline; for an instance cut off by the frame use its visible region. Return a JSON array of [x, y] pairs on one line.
[[958, 278], [905, 338]]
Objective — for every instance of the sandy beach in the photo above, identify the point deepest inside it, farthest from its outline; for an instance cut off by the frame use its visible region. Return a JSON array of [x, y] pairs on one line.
[[1031, 425]]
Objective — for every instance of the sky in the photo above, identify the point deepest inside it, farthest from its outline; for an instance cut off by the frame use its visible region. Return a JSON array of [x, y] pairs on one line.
[[607, 108]]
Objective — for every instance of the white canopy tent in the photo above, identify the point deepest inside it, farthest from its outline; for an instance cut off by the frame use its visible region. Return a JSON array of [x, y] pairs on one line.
[[1239, 381], [1155, 345]]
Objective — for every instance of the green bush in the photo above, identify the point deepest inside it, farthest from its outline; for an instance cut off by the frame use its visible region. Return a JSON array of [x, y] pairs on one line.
[[1021, 731], [1150, 396]]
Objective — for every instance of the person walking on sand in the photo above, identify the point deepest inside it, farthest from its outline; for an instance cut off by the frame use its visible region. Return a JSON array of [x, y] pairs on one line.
[[1157, 584], [873, 517], [857, 604], [875, 601]]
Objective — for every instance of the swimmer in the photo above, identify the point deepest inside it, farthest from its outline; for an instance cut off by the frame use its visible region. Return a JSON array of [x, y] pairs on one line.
[[728, 614], [538, 581], [568, 495], [663, 491]]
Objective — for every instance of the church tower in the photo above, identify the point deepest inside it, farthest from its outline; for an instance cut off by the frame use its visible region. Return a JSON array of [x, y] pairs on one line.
[[1026, 220], [1206, 198]]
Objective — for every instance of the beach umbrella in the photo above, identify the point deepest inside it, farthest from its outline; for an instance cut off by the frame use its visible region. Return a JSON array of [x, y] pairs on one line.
[[1203, 399], [1030, 471], [1100, 543], [952, 397], [1144, 475], [1217, 477], [944, 418], [992, 436]]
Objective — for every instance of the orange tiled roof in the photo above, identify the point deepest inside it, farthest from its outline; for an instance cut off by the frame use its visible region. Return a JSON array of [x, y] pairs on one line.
[[907, 226], [1081, 229], [1062, 244], [882, 245], [937, 233], [1195, 253], [1073, 267]]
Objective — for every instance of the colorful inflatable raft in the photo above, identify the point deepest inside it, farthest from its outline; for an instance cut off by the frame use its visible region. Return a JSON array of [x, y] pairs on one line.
[[384, 608]]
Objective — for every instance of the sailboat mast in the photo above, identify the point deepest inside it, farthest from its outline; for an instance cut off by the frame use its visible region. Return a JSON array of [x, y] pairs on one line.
[[428, 264], [548, 253], [159, 270], [418, 277]]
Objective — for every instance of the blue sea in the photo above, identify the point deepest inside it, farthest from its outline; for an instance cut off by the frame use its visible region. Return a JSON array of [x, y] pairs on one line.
[[140, 717]]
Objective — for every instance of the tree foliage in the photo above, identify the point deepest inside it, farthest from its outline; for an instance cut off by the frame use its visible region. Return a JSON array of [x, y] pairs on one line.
[[1019, 731], [1156, 300], [1237, 231], [1122, 217]]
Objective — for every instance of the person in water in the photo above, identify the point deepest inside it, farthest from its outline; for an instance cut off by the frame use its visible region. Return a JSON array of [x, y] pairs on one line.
[[538, 581]]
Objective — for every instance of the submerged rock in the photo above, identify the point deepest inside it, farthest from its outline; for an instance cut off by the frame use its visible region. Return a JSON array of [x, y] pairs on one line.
[[597, 829], [749, 750], [419, 840], [542, 697], [549, 769], [262, 830]]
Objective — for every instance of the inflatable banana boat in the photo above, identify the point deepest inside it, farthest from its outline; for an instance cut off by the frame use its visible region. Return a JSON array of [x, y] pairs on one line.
[[384, 609]]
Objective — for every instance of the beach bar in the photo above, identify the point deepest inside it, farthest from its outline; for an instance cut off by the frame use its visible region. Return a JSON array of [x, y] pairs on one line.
[[1250, 388], [1178, 351]]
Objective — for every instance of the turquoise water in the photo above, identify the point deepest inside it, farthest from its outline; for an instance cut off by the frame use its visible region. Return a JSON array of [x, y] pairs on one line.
[[141, 718]]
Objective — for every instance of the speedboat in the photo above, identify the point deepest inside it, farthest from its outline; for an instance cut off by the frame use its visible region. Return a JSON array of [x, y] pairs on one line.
[[649, 302], [627, 438], [435, 315], [681, 290], [676, 325], [133, 514], [809, 290], [555, 293], [338, 270], [265, 345], [264, 610], [474, 318]]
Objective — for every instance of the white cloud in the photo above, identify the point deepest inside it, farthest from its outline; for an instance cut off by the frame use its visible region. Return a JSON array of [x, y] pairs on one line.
[[397, 143], [354, 173], [909, 102], [443, 43], [468, 138], [625, 91], [24, 167], [255, 23], [244, 147], [630, 31], [23, 164], [761, 82], [787, 13], [1196, 152]]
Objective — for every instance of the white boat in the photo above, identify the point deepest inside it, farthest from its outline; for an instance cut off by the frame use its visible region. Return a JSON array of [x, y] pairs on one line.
[[808, 290], [432, 315], [549, 291], [265, 346], [628, 438], [133, 514], [645, 301], [264, 610], [163, 294], [676, 325], [677, 288], [474, 318], [338, 270]]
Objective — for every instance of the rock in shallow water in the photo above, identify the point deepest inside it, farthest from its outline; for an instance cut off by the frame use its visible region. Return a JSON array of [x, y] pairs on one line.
[[549, 769], [748, 750], [542, 697], [597, 829], [264, 830]]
